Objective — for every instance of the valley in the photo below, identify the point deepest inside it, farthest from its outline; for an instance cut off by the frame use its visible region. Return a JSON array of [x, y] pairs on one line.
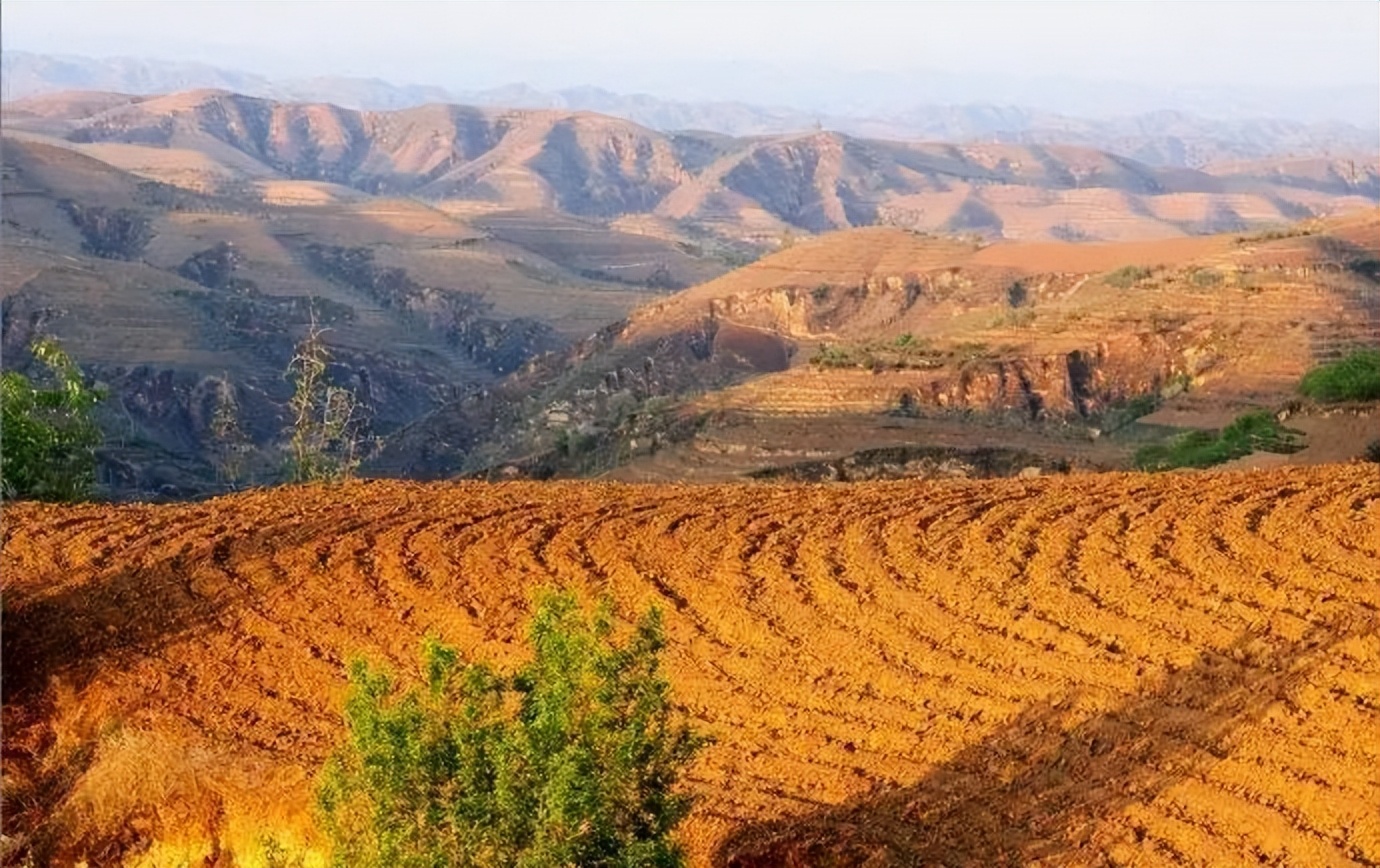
[[484, 274]]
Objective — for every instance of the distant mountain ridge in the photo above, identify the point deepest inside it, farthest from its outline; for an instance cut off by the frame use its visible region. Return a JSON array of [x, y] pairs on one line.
[[602, 167], [1163, 138]]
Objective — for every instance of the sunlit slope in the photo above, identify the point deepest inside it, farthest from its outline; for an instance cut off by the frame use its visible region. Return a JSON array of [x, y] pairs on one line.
[[1090, 670]]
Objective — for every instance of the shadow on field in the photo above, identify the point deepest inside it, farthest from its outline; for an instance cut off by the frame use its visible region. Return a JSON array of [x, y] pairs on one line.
[[114, 616], [1039, 789]]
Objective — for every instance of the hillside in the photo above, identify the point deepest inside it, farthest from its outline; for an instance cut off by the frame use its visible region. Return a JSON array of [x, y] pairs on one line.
[[477, 268], [1184, 139], [173, 293], [880, 337], [597, 166], [1149, 670]]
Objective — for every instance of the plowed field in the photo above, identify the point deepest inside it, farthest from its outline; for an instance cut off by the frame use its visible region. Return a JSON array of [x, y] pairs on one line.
[[1099, 670]]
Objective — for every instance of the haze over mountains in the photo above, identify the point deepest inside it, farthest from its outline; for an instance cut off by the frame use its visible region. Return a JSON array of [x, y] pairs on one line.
[[1177, 137], [600, 167]]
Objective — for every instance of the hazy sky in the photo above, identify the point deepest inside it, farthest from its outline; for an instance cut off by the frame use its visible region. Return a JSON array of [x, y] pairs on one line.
[[792, 52]]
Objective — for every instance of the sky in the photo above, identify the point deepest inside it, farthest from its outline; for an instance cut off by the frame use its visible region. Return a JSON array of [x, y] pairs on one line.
[[817, 55]]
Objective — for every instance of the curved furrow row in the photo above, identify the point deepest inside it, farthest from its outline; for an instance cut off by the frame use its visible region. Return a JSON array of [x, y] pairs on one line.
[[1178, 669]]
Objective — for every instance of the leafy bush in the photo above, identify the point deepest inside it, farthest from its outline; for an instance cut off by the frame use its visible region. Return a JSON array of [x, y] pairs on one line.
[[1353, 378], [1251, 432], [47, 435], [573, 760], [1126, 276]]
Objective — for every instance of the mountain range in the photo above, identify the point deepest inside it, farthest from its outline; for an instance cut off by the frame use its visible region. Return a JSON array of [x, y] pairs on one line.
[[498, 283], [741, 188], [1165, 138]]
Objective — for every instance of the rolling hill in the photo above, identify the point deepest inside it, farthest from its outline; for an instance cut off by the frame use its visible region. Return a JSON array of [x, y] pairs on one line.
[[477, 269], [602, 167], [98, 257], [881, 337]]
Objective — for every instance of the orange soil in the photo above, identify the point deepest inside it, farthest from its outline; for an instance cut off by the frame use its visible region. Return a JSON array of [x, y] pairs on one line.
[[1180, 669]]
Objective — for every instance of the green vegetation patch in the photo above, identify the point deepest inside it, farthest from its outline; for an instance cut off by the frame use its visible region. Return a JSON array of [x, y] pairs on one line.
[[1259, 431], [574, 759], [50, 434], [1353, 378], [1126, 276], [905, 352]]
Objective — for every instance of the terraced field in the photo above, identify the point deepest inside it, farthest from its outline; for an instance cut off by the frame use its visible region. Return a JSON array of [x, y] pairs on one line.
[[1092, 670]]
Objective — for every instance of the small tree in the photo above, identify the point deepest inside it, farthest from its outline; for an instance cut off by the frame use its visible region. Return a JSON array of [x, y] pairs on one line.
[[47, 435], [572, 761], [229, 443], [322, 440]]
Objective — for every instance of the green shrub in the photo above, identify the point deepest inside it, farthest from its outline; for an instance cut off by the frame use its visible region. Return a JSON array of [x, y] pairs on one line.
[[572, 761], [48, 437], [1206, 277], [1353, 378], [1250, 432], [1126, 276], [904, 352]]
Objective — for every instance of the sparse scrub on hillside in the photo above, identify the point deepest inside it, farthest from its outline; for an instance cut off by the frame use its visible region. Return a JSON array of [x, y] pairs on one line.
[[1123, 413], [1355, 377], [971, 351], [1069, 232], [1250, 432], [575, 759], [902, 353], [1277, 234], [1019, 318], [214, 268], [48, 436], [573, 443], [1204, 278], [1126, 276], [460, 315], [110, 233], [1368, 268], [229, 444], [660, 277]]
